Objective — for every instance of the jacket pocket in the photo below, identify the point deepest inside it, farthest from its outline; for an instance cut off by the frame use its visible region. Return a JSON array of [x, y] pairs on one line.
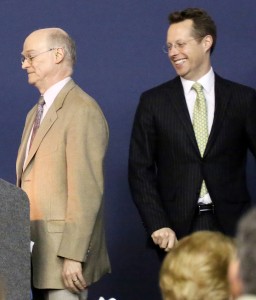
[[55, 225]]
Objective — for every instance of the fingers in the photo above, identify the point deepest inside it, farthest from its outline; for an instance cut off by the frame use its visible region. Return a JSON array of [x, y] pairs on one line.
[[79, 282], [171, 244], [72, 276], [70, 284], [165, 238]]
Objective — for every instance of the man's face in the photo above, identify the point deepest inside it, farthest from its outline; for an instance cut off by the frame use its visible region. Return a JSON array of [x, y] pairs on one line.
[[189, 56], [41, 68]]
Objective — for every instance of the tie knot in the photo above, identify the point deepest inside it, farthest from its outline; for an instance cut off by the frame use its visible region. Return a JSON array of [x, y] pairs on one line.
[[41, 101], [197, 87]]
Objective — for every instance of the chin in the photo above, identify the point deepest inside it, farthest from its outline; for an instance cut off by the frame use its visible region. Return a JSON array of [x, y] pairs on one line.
[[31, 81], [182, 74]]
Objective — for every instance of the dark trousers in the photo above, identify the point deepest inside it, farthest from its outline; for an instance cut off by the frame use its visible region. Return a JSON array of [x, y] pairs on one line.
[[205, 221], [37, 294]]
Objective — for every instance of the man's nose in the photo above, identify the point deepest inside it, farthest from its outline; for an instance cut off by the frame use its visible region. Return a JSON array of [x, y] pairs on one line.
[[25, 64], [173, 51]]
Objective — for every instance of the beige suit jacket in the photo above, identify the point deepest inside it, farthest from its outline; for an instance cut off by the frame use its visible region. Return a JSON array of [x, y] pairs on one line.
[[63, 178]]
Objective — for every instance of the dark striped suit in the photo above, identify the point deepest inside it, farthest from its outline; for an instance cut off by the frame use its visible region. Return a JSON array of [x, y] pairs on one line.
[[165, 166]]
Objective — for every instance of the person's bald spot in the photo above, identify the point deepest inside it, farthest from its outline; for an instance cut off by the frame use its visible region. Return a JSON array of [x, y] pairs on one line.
[[45, 34]]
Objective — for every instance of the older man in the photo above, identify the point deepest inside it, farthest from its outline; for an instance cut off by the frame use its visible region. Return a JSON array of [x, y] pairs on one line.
[[60, 167]]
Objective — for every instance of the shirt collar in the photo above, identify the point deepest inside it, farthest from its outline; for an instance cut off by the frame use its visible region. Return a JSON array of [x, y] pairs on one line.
[[53, 91], [207, 81]]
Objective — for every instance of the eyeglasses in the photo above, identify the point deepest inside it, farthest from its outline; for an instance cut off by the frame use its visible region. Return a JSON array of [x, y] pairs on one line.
[[178, 45], [30, 58]]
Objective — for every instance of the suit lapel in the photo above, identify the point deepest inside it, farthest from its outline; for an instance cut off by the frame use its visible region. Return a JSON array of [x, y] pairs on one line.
[[179, 102], [222, 97], [24, 141], [47, 122]]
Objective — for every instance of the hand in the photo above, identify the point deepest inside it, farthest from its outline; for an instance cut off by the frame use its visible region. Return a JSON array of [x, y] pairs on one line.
[[72, 276], [165, 238]]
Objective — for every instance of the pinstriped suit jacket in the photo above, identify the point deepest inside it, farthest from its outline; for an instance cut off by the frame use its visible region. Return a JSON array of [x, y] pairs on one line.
[[165, 166]]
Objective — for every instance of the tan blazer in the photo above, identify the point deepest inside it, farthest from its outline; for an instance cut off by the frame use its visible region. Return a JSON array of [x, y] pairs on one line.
[[63, 178]]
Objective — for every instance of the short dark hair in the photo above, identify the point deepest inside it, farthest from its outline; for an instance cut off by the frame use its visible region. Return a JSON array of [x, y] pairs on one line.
[[203, 24], [246, 241]]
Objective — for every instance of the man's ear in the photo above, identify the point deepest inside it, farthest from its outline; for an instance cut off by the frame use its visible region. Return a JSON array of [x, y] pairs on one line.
[[207, 42], [59, 55]]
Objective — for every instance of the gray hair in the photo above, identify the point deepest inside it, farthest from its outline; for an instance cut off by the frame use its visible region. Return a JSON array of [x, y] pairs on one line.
[[59, 38], [246, 241]]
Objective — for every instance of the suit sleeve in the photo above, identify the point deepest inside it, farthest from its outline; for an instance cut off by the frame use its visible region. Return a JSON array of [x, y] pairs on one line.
[[86, 144], [251, 120], [143, 168]]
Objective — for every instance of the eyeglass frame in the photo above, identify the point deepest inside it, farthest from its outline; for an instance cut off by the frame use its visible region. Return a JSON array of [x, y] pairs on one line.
[[179, 45], [30, 58]]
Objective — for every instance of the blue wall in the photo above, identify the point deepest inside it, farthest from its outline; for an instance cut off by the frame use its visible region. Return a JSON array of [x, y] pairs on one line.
[[119, 55]]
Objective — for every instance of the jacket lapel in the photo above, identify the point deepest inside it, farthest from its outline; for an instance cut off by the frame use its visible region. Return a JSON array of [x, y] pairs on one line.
[[179, 102], [47, 122], [222, 98], [24, 141]]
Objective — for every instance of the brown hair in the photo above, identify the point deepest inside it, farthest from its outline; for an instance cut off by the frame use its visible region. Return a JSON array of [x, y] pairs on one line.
[[203, 24]]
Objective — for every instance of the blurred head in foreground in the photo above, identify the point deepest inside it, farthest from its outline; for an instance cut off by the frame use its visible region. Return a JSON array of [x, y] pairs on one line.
[[196, 269], [242, 274]]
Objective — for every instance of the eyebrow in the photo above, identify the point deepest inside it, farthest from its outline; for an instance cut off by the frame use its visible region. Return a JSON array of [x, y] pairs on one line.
[[29, 51]]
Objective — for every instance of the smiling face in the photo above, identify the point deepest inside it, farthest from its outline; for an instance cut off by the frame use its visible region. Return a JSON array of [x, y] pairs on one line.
[[189, 55]]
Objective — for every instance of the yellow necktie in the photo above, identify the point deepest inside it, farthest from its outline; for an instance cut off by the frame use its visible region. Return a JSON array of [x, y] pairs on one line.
[[200, 124]]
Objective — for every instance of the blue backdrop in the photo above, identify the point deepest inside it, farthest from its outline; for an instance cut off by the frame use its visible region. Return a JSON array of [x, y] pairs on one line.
[[119, 55]]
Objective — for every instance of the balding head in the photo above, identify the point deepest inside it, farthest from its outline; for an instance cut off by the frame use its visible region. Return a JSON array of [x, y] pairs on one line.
[[49, 55], [58, 38]]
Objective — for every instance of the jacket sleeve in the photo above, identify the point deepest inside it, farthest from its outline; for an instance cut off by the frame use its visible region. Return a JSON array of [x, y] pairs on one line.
[[143, 168], [86, 143]]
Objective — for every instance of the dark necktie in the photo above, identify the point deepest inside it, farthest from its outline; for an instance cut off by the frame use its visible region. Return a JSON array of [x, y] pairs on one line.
[[39, 113], [200, 124]]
